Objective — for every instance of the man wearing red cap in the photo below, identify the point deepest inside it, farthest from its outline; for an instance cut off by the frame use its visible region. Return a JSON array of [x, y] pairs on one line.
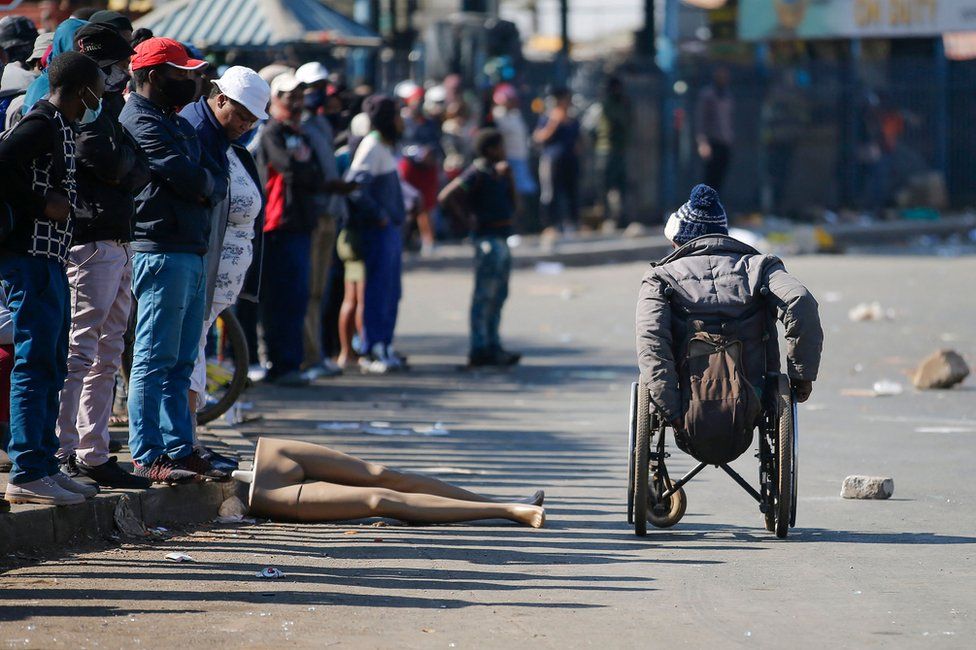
[[170, 237]]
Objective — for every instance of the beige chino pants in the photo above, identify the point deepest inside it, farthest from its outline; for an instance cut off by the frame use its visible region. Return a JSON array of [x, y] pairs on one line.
[[100, 280]]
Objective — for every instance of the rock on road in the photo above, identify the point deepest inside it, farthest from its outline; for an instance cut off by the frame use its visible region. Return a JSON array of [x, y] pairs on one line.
[[894, 573]]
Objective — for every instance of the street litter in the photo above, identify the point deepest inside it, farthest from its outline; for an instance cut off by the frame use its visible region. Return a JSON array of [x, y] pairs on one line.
[[126, 520], [269, 572], [941, 369], [870, 311], [549, 268], [887, 388], [436, 430], [867, 487], [384, 429], [179, 557], [339, 426]]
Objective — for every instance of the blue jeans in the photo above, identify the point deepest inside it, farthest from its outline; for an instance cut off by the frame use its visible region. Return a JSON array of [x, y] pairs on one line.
[[382, 254], [38, 300], [170, 292], [493, 266], [284, 298]]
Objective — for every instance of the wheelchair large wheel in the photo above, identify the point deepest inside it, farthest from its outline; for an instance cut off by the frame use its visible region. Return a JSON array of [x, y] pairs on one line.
[[631, 437], [642, 451], [784, 507]]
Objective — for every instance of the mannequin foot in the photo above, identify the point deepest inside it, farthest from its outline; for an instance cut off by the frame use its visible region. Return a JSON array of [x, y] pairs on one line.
[[536, 499], [244, 476], [533, 516]]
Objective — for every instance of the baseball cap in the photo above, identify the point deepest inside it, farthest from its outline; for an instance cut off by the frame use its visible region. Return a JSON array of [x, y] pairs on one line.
[[112, 19], [311, 73], [247, 88], [41, 45], [17, 30], [157, 51], [102, 43], [285, 83]]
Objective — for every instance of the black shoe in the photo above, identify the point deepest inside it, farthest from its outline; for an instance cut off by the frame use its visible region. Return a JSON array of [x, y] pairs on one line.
[[114, 446], [69, 466], [506, 358], [164, 470], [109, 474], [481, 359], [201, 466], [219, 461]]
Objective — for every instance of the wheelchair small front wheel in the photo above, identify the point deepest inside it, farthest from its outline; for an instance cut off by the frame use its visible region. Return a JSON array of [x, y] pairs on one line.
[[670, 512]]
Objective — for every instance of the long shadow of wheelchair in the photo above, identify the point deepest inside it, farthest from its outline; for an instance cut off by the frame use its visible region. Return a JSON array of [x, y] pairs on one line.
[[703, 532]]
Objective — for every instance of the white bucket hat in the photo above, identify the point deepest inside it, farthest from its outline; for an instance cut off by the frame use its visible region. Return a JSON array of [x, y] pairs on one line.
[[247, 88], [312, 73], [285, 83]]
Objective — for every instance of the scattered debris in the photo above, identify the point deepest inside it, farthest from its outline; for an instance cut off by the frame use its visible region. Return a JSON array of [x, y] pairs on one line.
[[351, 532], [887, 388], [339, 426], [385, 429], [436, 430], [867, 487], [377, 539], [379, 524], [941, 369], [126, 520], [179, 557], [870, 311], [232, 507], [550, 268], [270, 573]]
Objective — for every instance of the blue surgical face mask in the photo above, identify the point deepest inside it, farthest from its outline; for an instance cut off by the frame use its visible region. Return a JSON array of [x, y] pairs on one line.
[[91, 114]]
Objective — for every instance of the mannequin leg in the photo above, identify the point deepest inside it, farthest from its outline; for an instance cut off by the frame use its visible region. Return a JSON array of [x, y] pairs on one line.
[[303, 461], [321, 501]]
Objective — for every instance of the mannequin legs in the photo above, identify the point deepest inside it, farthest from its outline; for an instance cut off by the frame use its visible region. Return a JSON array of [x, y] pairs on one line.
[[306, 482]]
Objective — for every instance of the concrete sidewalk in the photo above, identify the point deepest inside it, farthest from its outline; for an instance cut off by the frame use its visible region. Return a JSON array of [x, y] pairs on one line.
[[29, 529], [595, 248]]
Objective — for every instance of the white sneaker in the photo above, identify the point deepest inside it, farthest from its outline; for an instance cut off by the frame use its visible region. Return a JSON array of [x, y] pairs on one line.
[[256, 372], [44, 491], [66, 482], [332, 369]]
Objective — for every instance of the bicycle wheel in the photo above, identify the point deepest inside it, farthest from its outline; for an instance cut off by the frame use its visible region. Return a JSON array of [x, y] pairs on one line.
[[227, 371], [642, 451]]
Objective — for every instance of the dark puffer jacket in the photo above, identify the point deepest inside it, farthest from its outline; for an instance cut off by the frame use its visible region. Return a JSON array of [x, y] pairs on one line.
[[720, 276]]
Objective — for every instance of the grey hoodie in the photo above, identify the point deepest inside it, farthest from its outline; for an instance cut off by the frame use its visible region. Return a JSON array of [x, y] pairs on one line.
[[720, 276]]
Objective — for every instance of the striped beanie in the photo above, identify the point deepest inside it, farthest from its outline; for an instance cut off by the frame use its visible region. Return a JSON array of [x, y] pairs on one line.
[[703, 214]]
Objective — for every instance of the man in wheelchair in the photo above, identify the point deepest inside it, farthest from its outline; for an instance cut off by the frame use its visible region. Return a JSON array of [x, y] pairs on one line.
[[707, 342]]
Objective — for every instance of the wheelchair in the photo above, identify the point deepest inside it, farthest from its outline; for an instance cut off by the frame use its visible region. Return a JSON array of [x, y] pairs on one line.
[[652, 496]]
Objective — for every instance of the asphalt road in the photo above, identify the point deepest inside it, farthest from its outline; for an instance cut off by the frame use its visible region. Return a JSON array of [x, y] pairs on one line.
[[896, 573]]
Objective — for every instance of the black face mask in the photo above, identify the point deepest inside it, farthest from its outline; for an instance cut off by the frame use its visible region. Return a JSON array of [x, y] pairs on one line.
[[178, 92], [116, 79], [314, 100]]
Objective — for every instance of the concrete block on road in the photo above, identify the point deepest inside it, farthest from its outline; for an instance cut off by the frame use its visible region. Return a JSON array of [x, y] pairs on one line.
[[867, 487], [169, 504], [941, 369]]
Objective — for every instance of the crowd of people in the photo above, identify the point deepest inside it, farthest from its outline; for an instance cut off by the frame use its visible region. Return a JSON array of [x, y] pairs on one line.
[[147, 191]]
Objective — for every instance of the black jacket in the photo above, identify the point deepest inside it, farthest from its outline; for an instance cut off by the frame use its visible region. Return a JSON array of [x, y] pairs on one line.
[[112, 169], [36, 157], [293, 187], [173, 212]]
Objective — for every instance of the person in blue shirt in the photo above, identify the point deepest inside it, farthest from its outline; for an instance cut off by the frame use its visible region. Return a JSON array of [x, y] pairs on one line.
[[558, 133]]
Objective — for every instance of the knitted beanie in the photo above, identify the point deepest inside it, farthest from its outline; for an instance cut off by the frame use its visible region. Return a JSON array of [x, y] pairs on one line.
[[703, 214]]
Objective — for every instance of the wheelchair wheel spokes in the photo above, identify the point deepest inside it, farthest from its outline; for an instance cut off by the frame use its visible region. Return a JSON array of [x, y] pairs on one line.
[[226, 370]]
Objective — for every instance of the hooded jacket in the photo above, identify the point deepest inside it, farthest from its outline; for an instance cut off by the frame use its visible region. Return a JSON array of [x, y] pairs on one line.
[[64, 41], [719, 276]]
